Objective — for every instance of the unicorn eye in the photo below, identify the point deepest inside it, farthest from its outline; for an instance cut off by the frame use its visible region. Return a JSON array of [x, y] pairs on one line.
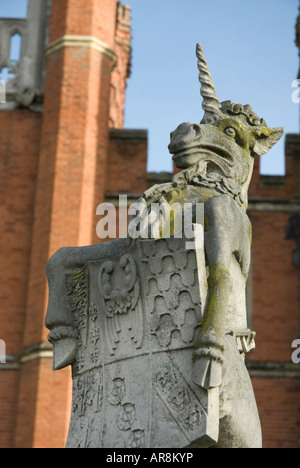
[[230, 131]]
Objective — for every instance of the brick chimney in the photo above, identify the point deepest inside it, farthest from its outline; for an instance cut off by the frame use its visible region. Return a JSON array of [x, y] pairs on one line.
[[80, 57]]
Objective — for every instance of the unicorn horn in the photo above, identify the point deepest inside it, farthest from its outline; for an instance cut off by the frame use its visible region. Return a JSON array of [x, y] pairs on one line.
[[210, 101]]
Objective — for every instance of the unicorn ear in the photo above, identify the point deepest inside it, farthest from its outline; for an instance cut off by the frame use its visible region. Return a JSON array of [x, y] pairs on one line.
[[265, 140]]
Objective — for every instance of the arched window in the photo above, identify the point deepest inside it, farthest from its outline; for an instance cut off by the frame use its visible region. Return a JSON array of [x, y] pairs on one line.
[[15, 48]]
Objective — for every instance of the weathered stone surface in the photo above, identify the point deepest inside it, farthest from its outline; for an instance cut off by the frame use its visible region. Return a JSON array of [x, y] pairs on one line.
[[129, 329], [239, 419]]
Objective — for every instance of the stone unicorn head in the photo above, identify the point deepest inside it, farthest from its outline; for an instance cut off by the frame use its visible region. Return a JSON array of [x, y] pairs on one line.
[[227, 139]]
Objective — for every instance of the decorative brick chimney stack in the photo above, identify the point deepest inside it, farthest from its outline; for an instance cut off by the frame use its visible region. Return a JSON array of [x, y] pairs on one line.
[[123, 66], [63, 94]]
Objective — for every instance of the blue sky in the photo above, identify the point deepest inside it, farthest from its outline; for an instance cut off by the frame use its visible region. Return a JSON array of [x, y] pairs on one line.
[[13, 8], [250, 49], [251, 52]]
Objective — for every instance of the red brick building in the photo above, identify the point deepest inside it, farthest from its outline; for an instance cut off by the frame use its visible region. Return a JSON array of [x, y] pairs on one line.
[[63, 147]]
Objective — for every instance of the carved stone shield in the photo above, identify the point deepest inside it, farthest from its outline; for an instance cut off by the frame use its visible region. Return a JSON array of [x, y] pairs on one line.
[[137, 315]]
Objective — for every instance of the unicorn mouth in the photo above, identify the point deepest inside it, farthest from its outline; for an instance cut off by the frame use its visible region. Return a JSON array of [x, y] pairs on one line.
[[205, 152]]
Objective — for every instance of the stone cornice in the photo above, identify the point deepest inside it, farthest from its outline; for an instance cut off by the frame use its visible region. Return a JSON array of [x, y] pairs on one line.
[[42, 350], [83, 42], [274, 204], [273, 369]]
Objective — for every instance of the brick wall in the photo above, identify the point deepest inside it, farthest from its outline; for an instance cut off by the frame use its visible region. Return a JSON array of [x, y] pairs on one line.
[[275, 301], [275, 286], [279, 409], [8, 396], [127, 161], [48, 396], [19, 149]]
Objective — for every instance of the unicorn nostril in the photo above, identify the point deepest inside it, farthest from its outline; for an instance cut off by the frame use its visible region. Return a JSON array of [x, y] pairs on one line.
[[197, 129]]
